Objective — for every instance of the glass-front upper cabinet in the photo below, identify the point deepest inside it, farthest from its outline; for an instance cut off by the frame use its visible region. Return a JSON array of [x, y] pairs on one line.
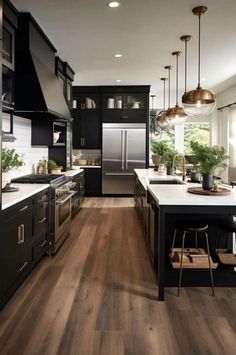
[[125, 101], [86, 101]]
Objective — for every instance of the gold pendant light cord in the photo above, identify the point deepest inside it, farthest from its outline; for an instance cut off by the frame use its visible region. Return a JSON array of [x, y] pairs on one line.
[[186, 58], [164, 96], [169, 88], [177, 79], [199, 52]]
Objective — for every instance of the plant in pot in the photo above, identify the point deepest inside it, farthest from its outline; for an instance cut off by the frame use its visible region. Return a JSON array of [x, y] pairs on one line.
[[194, 173], [162, 154], [10, 160], [210, 159], [53, 168]]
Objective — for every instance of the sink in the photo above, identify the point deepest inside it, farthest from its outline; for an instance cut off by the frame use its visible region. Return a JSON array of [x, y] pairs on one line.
[[166, 182]]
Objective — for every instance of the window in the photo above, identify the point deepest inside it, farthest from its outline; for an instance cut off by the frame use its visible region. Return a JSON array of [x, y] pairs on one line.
[[167, 136], [199, 132]]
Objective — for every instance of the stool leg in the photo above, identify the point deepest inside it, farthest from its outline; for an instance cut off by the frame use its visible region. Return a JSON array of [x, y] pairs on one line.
[[173, 243], [209, 261], [196, 239], [181, 264]]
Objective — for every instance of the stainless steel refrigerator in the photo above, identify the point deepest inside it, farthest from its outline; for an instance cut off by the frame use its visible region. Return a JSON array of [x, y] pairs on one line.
[[124, 149]]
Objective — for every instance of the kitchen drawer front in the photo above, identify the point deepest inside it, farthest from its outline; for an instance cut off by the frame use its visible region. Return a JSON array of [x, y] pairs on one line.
[[13, 266], [41, 214], [16, 211], [40, 245]]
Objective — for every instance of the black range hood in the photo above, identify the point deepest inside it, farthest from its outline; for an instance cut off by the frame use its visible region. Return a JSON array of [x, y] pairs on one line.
[[37, 89]]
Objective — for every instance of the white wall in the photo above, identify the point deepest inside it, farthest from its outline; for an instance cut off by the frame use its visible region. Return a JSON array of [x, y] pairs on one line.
[[22, 145]]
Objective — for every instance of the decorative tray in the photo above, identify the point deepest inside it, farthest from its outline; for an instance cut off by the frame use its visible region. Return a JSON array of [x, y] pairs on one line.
[[221, 191]]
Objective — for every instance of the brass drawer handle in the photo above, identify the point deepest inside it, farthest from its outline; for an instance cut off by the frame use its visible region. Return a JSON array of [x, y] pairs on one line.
[[22, 267], [21, 234], [42, 245], [42, 220], [44, 197], [24, 208]]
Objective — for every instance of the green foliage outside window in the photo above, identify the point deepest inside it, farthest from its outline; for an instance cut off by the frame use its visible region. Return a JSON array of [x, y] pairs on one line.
[[198, 132]]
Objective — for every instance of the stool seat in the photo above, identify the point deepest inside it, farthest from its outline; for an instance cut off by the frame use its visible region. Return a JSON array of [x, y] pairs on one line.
[[191, 226]]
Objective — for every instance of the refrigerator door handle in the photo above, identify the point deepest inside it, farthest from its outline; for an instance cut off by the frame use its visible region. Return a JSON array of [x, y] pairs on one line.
[[126, 150], [122, 151]]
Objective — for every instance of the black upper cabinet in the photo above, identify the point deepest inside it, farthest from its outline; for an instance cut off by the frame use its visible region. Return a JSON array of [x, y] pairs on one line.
[[65, 75], [10, 23], [127, 104], [87, 118]]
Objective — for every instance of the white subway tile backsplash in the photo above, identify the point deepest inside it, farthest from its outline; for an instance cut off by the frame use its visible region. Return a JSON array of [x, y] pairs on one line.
[[22, 145]]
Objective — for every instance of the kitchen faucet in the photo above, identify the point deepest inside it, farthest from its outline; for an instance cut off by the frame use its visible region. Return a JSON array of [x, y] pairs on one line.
[[183, 164]]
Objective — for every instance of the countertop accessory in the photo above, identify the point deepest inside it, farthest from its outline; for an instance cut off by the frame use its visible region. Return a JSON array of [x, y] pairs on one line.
[[8, 188], [221, 191], [199, 101]]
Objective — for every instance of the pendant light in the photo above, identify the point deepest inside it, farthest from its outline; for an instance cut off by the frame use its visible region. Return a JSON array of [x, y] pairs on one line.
[[186, 39], [176, 115], [200, 101], [168, 67], [161, 118]]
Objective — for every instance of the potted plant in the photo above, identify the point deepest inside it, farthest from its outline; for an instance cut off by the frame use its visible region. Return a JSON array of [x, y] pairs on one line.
[[162, 153], [53, 168], [194, 173], [210, 159], [10, 160]]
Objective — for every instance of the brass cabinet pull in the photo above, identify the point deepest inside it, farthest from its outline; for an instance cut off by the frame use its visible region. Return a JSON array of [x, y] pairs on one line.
[[20, 234], [42, 245], [22, 267], [24, 208], [42, 198], [42, 220]]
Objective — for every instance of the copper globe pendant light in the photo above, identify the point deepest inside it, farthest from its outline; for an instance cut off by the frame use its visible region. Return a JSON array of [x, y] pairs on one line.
[[161, 117], [176, 115], [168, 67], [199, 102]]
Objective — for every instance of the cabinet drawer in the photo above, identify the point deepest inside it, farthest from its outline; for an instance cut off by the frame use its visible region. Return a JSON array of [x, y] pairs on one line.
[[41, 213], [12, 266], [40, 245], [16, 211]]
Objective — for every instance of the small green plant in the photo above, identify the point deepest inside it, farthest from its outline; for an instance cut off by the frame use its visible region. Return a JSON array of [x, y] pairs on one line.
[[209, 158], [52, 165], [10, 160], [165, 153]]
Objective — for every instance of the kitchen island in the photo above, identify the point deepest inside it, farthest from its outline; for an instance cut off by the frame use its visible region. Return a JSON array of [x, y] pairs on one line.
[[171, 203]]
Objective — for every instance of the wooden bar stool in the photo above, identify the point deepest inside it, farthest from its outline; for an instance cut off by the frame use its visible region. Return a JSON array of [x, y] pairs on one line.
[[192, 227]]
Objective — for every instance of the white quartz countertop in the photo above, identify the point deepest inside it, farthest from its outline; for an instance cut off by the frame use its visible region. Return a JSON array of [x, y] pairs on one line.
[[145, 175], [25, 190], [73, 172], [178, 195], [85, 166]]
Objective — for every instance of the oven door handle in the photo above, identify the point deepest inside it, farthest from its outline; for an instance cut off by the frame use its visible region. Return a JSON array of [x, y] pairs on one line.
[[66, 199]]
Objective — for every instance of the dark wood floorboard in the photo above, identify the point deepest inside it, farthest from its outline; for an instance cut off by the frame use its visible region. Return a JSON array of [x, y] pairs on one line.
[[97, 296]]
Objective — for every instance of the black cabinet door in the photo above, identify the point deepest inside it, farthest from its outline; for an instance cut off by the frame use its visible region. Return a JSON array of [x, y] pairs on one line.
[[15, 249], [93, 181], [87, 130]]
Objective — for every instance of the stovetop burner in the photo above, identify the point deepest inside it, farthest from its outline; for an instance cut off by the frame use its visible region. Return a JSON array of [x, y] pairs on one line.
[[40, 178]]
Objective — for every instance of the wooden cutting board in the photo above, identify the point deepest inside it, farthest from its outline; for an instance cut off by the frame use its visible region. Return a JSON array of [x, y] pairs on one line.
[[221, 191]]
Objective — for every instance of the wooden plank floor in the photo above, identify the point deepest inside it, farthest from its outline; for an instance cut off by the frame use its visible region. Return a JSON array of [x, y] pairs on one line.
[[97, 296]]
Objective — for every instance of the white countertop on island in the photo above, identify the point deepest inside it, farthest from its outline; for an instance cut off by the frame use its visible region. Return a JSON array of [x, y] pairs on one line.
[[25, 190], [178, 195]]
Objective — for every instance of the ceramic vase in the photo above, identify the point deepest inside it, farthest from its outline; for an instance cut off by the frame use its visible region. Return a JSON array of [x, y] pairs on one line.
[[207, 181]]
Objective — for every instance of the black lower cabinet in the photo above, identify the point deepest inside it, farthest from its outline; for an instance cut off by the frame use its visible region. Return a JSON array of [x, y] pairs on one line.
[[23, 228], [41, 225], [93, 181]]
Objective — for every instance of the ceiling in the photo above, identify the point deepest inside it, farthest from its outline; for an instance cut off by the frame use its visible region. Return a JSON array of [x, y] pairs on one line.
[[87, 34]]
